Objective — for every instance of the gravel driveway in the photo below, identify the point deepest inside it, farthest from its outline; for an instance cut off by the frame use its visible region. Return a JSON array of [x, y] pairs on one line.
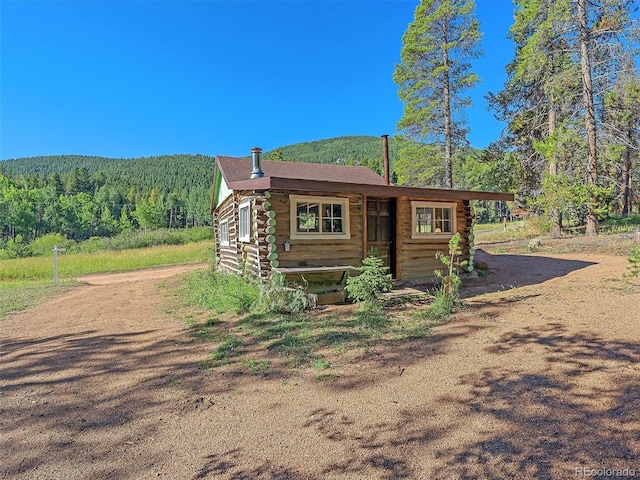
[[538, 378]]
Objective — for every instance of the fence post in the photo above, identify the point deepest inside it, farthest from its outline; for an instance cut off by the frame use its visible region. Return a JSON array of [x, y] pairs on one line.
[[55, 263]]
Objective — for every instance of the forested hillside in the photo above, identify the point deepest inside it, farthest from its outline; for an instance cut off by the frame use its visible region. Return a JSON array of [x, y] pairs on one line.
[[349, 150], [166, 174], [80, 197]]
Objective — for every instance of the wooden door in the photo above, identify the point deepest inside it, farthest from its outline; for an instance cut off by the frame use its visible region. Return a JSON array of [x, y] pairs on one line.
[[380, 229]]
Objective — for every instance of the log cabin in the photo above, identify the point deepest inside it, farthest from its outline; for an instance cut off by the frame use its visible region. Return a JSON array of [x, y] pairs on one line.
[[317, 221]]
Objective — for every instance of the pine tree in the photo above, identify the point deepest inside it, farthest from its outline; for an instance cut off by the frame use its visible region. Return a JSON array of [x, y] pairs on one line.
[[538, 99], [569, 54], [125, 221], [435, 74]]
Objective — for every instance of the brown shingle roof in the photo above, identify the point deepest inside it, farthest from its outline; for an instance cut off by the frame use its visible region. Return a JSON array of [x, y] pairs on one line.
[[333, 179], [238, 169]]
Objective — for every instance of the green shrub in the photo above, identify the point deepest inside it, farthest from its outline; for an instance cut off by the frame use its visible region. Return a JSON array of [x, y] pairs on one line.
[[15, 248], [618, 224], [633, 266], [373, 281], [43, 246], [143, 239], [442, 306], [6, 254], [228, 293]]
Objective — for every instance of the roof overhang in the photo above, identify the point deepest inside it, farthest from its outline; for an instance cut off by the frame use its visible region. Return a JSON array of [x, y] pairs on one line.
[[276, 183]]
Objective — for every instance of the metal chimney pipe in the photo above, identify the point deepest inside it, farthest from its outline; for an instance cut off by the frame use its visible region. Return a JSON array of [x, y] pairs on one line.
[[256, 163], [385, 151]]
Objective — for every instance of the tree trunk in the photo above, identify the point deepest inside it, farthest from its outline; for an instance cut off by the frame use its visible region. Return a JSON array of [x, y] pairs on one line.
[[448, 130], [626, 177], [590, 117], [554, 216]]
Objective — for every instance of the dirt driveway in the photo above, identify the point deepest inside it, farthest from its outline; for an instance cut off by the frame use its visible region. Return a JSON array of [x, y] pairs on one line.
[[539, 378]]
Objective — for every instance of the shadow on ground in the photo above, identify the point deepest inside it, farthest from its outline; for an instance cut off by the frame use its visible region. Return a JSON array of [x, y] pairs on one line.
[[510, 271], [85, 397], [525, 424]]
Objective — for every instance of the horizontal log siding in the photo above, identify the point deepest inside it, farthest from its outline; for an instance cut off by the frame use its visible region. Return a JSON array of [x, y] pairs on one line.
[[418, 256], [227, 255], [317, 252]]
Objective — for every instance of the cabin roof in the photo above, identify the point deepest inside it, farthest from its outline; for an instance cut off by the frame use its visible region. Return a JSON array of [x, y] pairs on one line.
[[238, 169], [315, 177]]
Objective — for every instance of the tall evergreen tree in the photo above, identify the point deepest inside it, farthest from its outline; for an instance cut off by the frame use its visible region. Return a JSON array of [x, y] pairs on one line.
[[537, 101], [79, 181], [569, 54], [276, 155], [435, 74], [584, 39], [608, 42]]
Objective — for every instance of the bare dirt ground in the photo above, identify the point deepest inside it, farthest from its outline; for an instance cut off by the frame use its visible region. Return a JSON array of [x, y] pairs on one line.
[[538, 378]]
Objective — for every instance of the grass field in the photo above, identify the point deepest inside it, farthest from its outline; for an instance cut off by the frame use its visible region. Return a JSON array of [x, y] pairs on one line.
[[72, 265], [495, 232], [533, 227]]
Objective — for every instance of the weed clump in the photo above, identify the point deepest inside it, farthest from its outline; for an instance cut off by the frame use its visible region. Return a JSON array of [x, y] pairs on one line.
[[226, 349], [447, 296], [280, 296]]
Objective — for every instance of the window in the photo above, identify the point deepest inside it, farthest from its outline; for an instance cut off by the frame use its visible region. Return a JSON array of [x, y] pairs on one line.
[[244, 221], [224, 233], [430, 219], [319, 217]]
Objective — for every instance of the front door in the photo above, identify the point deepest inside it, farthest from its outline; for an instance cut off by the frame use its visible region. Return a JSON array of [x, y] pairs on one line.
[[380, 229]]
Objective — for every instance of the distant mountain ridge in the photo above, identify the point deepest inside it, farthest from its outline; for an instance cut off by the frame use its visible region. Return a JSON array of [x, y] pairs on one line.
[[167, 173]]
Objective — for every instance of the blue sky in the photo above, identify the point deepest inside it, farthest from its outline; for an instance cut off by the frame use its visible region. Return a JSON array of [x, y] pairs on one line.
[[129, 79]]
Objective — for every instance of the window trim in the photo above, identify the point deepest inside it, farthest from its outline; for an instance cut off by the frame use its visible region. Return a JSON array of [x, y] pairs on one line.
[[346, 226], [421, 204], [224, 242], [246, 238]]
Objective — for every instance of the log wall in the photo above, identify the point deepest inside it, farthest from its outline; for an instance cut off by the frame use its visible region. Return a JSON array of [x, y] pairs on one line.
[[322, 251], [270, 228], [227, 256], [416, 257], [248, 257]]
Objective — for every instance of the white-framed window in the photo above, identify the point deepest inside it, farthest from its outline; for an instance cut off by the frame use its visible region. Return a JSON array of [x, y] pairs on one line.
[[432, 219], [244, 221], [224, 233], [319, 217]]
